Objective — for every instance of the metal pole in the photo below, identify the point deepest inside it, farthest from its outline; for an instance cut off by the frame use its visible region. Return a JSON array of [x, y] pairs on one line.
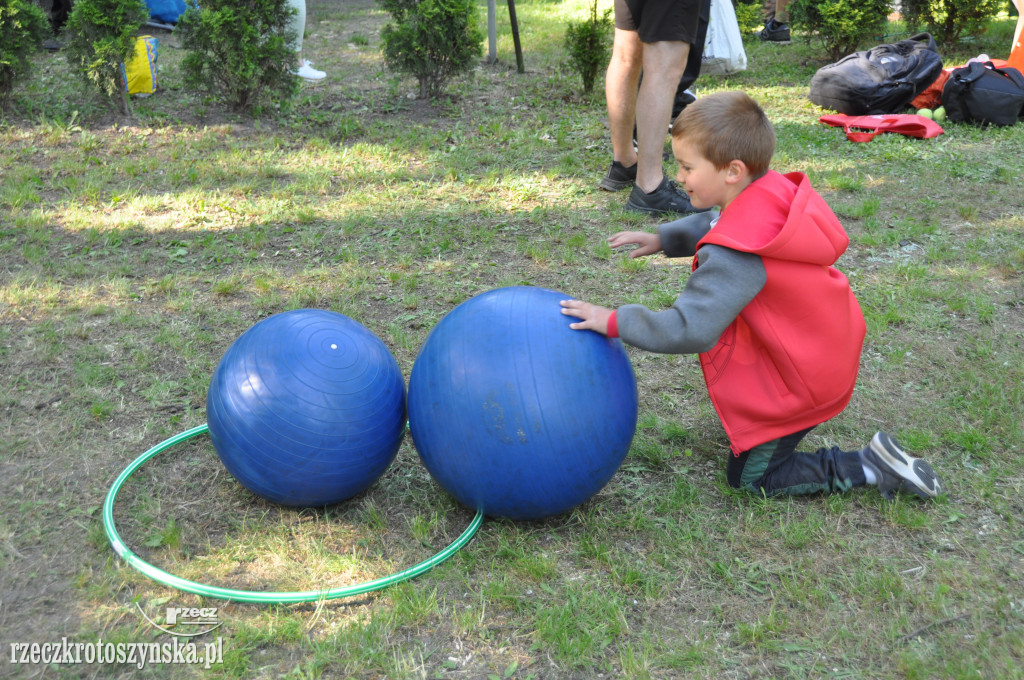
[[492, 32], [515, 36]]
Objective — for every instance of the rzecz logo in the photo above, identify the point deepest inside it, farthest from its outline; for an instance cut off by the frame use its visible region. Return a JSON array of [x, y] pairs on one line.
[[190, 621]]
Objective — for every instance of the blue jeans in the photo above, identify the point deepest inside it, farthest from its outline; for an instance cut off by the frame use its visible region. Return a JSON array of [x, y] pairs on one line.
[[777, 468]]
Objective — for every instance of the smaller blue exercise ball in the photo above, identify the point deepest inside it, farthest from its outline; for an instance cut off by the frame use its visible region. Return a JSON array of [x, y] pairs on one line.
[[307, 408], [516, 414]]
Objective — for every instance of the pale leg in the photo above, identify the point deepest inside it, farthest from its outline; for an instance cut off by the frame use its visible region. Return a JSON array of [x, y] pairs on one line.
[[663, 65]]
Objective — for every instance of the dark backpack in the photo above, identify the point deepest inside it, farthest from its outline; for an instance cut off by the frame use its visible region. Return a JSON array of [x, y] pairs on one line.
[[881, 80], [982, 93]]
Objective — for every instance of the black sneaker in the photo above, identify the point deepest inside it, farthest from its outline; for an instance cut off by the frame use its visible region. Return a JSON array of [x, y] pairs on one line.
[[896, 471], [667, 198], [619, 177], [775, 32], [683, 99]]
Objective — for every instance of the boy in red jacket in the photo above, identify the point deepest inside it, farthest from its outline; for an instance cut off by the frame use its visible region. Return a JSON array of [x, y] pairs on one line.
[[776, 326]]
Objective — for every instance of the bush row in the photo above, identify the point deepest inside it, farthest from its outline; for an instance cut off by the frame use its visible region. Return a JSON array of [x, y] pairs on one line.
[[238, 50]]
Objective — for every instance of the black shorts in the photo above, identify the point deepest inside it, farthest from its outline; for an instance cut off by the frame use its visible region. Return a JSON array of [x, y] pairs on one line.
[[659, 20]]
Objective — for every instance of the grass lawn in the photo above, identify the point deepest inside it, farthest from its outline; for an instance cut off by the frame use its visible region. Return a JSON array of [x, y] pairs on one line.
[[135, 251]]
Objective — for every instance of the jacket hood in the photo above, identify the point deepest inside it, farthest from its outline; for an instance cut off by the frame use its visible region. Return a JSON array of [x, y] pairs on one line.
[[781, 216]]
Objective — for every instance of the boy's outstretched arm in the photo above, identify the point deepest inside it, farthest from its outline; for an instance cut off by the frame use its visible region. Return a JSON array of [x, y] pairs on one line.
[[679, 238], [676, 239], [647, 243], [592, 317]]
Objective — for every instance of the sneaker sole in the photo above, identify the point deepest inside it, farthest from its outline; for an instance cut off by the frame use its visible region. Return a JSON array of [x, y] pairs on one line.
[[648, 210], [656, 211], [918, 476]]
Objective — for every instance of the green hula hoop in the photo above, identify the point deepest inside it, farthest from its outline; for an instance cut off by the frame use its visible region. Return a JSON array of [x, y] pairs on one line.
[[168, 579]]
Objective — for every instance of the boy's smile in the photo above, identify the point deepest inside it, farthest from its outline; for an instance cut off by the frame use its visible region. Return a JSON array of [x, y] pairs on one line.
[[706, 185], [703, 182]]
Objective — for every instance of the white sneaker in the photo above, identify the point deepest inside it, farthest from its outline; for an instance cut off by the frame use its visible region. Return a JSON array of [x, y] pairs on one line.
[[307, 71], [898, 471]]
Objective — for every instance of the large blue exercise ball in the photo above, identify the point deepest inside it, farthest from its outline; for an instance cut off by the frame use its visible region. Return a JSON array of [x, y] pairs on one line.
[[307, 408], [516, 414]]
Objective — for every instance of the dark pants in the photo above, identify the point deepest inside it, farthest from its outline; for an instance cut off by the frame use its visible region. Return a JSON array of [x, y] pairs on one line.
[[58, 11], [693, 60], [777, 468]]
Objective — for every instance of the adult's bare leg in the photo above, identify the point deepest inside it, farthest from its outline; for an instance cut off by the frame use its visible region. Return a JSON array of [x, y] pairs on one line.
[[663, 65], [620, 89]]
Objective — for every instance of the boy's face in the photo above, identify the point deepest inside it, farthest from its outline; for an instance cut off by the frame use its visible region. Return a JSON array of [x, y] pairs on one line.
[[704, 183]]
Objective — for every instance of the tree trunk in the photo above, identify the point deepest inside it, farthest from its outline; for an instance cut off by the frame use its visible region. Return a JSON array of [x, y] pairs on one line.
[[124, 103]]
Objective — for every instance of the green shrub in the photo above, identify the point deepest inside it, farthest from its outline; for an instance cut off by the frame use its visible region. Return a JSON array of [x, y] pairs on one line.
[[432, 40], [588, 43], [950, 20], [23, 27], [241, 52], [101, 37], [750, 16], [843, 26]]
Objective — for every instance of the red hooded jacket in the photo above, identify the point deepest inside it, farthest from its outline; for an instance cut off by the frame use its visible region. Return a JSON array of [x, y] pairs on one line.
[[789, 361]]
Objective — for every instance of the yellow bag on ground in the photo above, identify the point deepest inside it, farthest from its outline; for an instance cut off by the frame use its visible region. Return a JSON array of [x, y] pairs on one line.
[[139, 72]]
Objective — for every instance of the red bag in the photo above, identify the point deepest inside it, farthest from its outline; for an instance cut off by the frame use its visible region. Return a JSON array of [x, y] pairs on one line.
[[864, 128]]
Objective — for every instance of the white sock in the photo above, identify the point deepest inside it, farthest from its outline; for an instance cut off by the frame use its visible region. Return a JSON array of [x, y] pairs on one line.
[[869, 474]]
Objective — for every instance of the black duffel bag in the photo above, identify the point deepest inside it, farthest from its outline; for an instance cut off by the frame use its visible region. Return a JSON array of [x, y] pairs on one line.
[[983, 93]]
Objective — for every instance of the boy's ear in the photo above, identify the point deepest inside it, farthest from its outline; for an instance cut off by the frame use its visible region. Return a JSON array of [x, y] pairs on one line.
[[736, 171]]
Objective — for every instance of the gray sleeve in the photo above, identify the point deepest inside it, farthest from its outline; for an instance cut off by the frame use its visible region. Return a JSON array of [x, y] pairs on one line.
[[724, 283], [679, 238]]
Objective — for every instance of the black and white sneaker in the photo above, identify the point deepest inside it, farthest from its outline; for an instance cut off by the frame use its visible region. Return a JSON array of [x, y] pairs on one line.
[[897, 471]]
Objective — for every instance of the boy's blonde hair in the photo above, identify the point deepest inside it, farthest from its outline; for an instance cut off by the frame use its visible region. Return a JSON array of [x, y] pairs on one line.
[[727, 126]]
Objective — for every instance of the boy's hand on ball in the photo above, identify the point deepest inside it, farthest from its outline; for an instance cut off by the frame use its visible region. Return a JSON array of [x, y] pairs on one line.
[[592, 317], [646, 242]]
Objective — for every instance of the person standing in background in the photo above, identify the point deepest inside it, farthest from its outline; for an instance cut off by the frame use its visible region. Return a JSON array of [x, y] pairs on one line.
[[776, 24], [298, 25], [652, 37]]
